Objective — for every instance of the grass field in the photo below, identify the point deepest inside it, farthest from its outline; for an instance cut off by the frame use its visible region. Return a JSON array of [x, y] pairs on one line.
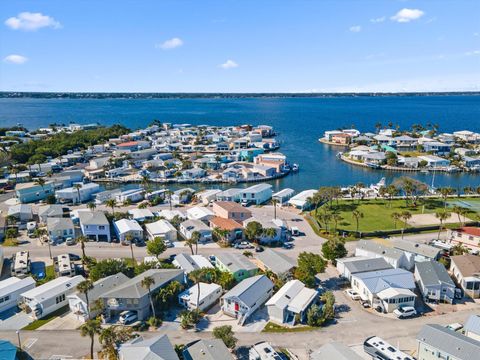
[[377, 214]]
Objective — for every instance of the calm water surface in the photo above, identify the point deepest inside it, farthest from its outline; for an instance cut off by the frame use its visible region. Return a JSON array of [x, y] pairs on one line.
[[300, 122]]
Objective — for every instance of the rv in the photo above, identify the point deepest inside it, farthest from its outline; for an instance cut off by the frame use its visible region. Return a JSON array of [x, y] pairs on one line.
[[21, 264], [378, 348], [63, 265]]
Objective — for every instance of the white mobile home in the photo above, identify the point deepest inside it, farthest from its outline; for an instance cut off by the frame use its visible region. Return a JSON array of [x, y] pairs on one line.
[[162, 229], [10, 290], [49, 297], [20, 264], [209, 294]]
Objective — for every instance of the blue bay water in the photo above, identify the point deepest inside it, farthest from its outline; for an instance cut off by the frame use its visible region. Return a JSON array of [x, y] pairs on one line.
[[299, 121]]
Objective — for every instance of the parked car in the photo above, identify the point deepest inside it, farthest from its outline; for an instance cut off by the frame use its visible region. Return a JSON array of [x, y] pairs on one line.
[[70, 241], [365, 304], [353, 294], [75, 257], [287, 245], [405, 312], [212, 259], [244, 245], [455, 326], [127, 317]]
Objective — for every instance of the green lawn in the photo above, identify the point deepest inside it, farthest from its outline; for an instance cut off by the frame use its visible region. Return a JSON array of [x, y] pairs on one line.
[[38, 323], [49, 275], [377, 213], [275, 328]]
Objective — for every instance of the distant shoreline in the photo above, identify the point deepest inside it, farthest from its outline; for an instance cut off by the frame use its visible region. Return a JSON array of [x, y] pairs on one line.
[[142, 95]]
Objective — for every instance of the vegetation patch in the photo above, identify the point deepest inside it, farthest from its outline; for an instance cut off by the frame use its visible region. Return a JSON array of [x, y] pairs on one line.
[[40, 322], [275, 328]]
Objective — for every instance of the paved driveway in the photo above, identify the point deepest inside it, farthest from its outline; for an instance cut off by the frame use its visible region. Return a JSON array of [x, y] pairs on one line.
[[14, 319]]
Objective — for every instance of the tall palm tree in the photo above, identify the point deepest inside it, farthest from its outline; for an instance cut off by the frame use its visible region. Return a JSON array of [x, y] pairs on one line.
[[41, 182], [169, 193], [111, 203], [336, 218], [441, 216], [445, 192], [395, 217], [357, 216], [147, 283], [92, 206], [274, 202], [269, 232], [91, 328], [405, 216], [197, 276], [82, 240], [78, 187], [221, 233], [84, 287], [129, 238], [459, 211], [194, 239]]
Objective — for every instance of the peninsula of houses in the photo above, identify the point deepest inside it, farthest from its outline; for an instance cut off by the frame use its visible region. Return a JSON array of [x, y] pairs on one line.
[[418, 149]]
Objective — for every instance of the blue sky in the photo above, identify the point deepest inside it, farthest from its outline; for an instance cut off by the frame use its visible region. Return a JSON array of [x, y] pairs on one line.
[[239, 46]]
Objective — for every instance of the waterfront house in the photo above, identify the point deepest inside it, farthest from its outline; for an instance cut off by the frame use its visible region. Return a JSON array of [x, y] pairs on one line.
[[408, 162], [335, 350], [434, 282], [387, 289], [405, 142], [78, 303], [188, 227], [231, 210], [290, 304], [209, 294], [394, 257], [466, 269], [126, 227], [67, 178], [467, 136], [471, 162], [236, 264], [162, 229], [200, 213], [49, 297], [208, 196], [271, 160], [341, 139], [32, 192], [257, 194], [74, 195], [11, 289], [472, 327], [235, 229], [434, 161], [375, 158], [189, 263], [51, 211], [282, 196], [276, 262], [211, 349], [246, 297], [141, 215], [328, 135], [232, 194], [467, 236], [359, 264], [60, 228], [439, 342], [182, 196], [132, 195], [416, 252], [194, 173], [155, 348], [21, 212], [302, 200], [132, 296], [94, 225]]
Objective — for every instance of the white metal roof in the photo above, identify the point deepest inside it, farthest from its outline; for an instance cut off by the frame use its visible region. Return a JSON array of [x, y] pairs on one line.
[[53, 288]]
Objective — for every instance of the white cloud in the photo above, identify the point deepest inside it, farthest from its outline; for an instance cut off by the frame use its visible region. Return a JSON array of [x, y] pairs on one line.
[[15, 59], [170, 44], [229, 64], [378, 20], [356, 28], [28, 21], [406, 15], [474, 52]]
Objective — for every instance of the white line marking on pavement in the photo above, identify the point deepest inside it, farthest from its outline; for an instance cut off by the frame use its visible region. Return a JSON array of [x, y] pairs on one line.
[[29, 343]]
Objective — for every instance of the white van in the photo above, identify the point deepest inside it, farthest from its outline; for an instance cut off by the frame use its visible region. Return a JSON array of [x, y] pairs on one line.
[[294, 230]]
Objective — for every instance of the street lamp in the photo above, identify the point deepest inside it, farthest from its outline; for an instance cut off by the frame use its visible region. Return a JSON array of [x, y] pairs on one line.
[[19, 342]]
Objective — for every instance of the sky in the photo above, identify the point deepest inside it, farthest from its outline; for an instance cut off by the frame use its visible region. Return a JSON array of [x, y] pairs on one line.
[[240, 46]]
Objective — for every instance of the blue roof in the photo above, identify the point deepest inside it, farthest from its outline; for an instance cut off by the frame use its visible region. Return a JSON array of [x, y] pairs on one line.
[[8, 351]]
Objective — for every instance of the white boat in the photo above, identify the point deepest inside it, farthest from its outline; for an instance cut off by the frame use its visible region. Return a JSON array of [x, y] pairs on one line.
[[295, 168]]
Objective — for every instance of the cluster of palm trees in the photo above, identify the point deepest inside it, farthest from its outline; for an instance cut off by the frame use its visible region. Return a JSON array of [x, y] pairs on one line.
[[403, 216]]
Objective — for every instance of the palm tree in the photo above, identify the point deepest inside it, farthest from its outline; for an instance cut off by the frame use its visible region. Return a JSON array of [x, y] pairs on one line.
[[91, 328], [78, 187], [197, 276], [41, 182], [111, 203], [221, 233], [169, 193], [274, 202], [92, 206], [129, 238], [445, 193], [459, 211], [336, 218], [269, 233], [84, 287], [357, 215], [441, 216], [82, 240], [193, 241], [405, 216], [395, 217], [147, 283]]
